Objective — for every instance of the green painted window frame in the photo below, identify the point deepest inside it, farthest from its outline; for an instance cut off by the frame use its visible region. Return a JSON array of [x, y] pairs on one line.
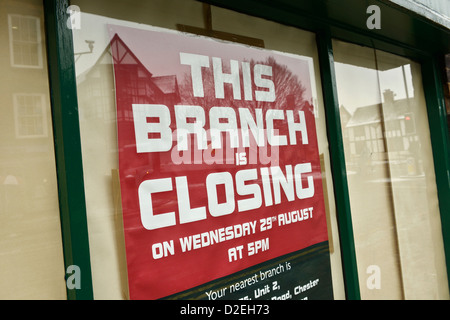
[[66, 131], [338, 166], [312, 15]]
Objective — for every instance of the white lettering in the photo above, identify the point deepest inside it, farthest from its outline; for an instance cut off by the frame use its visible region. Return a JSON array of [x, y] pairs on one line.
[[286, 182], [196, 61], [217, 209], [187, 214], [243, 189], [220, 78], [148, 219], [274, 140], [142, 128], [182, 113], [308, 192], [257, 128], [296, 126], [259, 71], [223, 202], [217, 115]]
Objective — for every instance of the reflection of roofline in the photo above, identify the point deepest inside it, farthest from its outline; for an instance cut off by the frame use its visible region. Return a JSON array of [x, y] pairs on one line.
[[353, 121], [161, 81], [342, 108], [82, 77], [351, 125], [117, 38], [118, 55], [108, 50]]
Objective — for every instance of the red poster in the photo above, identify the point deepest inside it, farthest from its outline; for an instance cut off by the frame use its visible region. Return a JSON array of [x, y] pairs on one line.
[[218, 158]]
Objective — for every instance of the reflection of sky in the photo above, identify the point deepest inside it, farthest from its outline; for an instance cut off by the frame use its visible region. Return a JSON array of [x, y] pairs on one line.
[[166, 62], [358, 86], [92, 28]]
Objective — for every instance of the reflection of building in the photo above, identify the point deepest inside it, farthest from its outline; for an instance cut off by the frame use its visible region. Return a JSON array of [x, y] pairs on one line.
[[140, 84], [98, 106], [30, 231], [31, 262], [383, 132], [25, 124], [97, 103]]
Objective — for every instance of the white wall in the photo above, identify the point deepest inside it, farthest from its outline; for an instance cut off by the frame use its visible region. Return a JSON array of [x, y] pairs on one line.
[[435, 10]]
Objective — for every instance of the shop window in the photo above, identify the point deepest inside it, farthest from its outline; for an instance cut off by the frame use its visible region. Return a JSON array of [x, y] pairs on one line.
[[25, 41], [98, 120], [390, 172], [31, 249], [30, 116]]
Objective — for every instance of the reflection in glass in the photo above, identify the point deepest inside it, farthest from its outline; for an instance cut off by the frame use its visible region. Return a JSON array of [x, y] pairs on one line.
[[390, 175], [96, 100], [25, 41], [31, 257]]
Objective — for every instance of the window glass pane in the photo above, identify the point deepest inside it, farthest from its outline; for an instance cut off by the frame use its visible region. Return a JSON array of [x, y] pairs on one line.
[[31, 256], [25, 41], [98, 116], [394, 205]]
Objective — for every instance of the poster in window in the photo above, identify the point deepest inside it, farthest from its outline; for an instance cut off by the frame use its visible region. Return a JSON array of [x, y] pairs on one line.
[[219, 170]]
